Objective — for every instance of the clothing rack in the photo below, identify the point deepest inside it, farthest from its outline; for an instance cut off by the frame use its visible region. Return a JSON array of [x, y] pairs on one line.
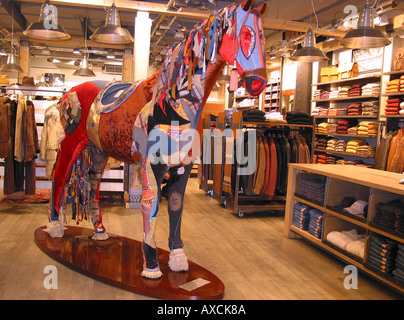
[[240, 203]]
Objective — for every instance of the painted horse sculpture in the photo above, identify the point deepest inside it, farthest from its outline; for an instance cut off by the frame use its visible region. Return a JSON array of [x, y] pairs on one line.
[[155, 123]]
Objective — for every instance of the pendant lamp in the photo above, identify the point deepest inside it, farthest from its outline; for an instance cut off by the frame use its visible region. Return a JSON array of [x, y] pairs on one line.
[[309, 53], [365, 35], [112, 32], [11, 66], [84, 71], [47, 27]]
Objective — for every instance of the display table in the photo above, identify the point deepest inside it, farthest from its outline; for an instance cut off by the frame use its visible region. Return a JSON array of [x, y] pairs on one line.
[[375, 187]]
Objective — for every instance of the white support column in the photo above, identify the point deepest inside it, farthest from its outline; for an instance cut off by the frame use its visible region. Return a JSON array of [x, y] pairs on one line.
[[141, 47], [141, 51]]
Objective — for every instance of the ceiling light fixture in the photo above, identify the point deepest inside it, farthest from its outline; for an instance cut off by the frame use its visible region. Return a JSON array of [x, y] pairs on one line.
[[365, 35], [47, 28], [112, 32], [309, 53], [11, 66], [84, 71]]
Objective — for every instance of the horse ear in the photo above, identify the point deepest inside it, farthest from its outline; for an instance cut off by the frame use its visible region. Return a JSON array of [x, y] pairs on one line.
[[261, 8], [246, 5]]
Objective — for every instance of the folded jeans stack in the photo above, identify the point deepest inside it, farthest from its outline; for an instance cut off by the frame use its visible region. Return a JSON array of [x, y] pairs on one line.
[[316, 222], [382, 253], [301, 216], [390, 214], [398, 272], [312, 188]]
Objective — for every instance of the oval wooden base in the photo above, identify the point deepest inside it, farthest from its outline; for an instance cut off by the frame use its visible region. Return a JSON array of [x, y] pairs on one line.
[[118, 261]]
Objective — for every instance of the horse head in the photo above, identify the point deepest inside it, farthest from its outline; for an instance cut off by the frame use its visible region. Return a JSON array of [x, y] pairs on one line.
[[242, 46]]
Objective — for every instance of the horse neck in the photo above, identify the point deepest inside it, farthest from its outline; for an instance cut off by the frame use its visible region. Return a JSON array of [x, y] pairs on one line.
[[212, 73]]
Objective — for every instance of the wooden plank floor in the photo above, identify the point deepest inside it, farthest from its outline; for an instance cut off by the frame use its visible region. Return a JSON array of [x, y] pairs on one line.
[[250, 255]]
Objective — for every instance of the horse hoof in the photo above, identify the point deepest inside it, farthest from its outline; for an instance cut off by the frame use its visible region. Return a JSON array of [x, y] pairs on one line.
[[178, 261], [99, 232], [55, 229], [100, 236], [152, 273]]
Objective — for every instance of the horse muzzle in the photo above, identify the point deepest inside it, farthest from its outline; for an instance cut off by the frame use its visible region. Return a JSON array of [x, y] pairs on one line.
[[254, 81]]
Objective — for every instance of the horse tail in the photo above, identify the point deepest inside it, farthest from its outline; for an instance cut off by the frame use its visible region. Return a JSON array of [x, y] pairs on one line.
[[75, 141]]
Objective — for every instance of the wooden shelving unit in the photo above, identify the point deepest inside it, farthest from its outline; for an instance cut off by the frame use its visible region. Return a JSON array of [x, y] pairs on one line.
[[344, 102], [370, 185]]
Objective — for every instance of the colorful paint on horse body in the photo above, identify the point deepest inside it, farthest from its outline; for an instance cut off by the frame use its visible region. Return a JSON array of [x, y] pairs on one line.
[[156, 122]]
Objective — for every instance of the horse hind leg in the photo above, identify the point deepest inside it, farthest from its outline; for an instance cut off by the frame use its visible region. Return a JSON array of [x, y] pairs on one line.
[[178, 261], [96, 167], [152, 176]]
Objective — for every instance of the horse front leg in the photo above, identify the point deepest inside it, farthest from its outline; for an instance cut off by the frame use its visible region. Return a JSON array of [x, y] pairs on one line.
[[151, 181], [96, 167], [178, 261]]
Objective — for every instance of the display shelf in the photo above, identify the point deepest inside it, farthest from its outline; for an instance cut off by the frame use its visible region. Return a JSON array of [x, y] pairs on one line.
[[342, 153], [346, 135], [345, 103], [373, 186], [272, 96], [346, 117], [366, 78]]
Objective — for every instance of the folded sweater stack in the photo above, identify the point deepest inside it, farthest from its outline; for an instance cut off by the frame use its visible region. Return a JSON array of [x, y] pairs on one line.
[[353, 145], [344, 92], [340, 146], [356, 90], [366, 151], [370, 108], [355, 109], [371, 89], [402, 84], [323, 127], [392, 106], [367, 128], [393, 86]]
